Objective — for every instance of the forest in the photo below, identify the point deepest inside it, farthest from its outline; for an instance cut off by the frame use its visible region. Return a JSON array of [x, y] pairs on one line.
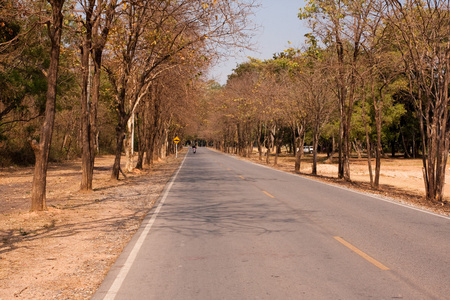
[[87, 77]]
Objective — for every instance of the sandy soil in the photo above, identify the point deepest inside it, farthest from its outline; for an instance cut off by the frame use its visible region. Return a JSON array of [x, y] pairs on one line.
[[65, 252]]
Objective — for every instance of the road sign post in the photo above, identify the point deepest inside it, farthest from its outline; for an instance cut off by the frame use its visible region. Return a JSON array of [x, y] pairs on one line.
[[176, 140]]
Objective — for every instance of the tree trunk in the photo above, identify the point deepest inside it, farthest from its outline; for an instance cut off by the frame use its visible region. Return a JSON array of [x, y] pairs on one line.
[[315, 145], [277, 150], [140, 160], [129, 144], [301, 138], [298, 157], [164, 144], [278, 140], [369, 148], [42, 149], [346, 149], [240, 143], [293, 142], [89, 101], [138, 127], [424, 142], [444, 136], [120, 134], [342, 91], [378, 149], [405, 147], [93, 109], [150, 148], [86, 172], [358, 147], [258, 140], [347, 121], [268, 148]]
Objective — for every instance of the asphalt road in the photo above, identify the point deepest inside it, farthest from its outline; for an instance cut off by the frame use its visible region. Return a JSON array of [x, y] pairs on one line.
[[229, 229]]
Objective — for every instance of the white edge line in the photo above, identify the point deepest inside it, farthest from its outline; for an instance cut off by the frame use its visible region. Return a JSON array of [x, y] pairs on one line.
[[410, 206], [116, 285]]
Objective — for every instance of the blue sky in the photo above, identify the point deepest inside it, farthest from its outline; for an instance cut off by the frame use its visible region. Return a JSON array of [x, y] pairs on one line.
[[278, 24]]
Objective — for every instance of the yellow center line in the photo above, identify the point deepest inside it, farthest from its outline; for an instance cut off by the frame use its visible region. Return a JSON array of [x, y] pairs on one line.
[[268, 194], [362, 254], [241, 177]]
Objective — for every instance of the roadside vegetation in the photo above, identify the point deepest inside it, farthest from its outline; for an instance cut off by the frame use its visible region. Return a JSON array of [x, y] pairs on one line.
[[86, 77], [372, 80]]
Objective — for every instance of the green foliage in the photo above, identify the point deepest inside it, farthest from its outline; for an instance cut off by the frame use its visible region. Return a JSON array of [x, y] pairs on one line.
[[15, 151], [23, 65], [253, 65], [22, 60], [358, 128]]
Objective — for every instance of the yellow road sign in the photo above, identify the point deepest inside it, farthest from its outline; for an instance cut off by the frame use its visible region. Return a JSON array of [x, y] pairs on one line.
[[176, 140]]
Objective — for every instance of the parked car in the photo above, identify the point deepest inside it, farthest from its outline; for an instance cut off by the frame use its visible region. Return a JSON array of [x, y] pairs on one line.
[[308, 149]]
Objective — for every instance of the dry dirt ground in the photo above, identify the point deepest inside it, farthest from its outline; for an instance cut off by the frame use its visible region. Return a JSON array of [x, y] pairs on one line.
[[65, 252], [401, 180]]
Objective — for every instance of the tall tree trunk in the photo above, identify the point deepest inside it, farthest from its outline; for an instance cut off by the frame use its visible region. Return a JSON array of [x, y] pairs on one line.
[[405, 147], [267, 140], [378, 106], [163, 142], [342, 91], [277, 149], [293, 141], [141, 134], [42, 149], [347, 127], [93, 109], [240, 148], [129, 144], [278, 141], [444, 131], [346, 99], [86, 151], [424, 140], [357, 147], [258, 141], [315, 146], [120, 134], [301, 128], [93, 45], [150, 148], [369, 148]]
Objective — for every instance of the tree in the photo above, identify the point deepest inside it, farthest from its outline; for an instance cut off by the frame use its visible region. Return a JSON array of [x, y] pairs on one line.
[[165, 112], [22, 52], [98, 19], [242, 103], [41, 149], [341, 23], [149, 35], [421, 31], [318, 95], [381, 67]]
